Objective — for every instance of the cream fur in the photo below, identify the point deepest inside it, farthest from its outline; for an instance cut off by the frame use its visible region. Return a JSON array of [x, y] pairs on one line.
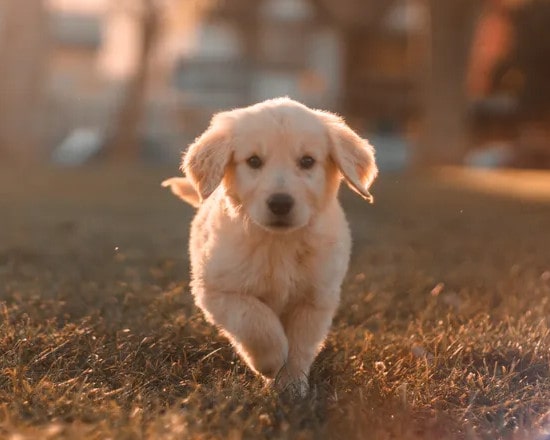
[[272, 290]]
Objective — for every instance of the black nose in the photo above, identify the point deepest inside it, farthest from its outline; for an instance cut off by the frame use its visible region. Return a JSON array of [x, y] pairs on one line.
[[280, 204]]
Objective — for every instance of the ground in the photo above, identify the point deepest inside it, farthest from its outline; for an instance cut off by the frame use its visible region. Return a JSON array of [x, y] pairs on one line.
[[443, 331]]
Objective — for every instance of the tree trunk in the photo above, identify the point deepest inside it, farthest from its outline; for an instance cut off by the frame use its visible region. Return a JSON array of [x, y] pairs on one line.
[[124, 143], [356, 22], [444, 130], [23, 61]]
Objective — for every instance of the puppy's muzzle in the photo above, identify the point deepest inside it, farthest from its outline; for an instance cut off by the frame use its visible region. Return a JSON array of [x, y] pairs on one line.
[[280, 204]]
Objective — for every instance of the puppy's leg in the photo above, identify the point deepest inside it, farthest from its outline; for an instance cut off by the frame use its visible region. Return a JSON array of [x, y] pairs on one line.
[[306, 327], [252, 327]]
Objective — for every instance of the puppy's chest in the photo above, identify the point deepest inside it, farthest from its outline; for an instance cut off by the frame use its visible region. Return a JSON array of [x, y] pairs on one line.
[[276, 273]]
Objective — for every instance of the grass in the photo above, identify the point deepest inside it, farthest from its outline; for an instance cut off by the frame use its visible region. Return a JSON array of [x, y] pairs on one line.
[[443, 331]]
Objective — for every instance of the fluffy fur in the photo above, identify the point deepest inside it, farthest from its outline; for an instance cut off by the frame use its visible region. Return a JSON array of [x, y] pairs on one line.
[[271, 281]]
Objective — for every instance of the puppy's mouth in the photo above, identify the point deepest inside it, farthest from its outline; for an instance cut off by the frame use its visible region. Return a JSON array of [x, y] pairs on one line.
[[280, 224]]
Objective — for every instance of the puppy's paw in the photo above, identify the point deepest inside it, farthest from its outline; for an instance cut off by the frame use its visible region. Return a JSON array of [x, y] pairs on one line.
[[269, 363], [292, 384]]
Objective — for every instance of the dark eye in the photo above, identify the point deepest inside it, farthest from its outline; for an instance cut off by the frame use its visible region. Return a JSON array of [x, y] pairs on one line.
[[254, 162], [306, 162]]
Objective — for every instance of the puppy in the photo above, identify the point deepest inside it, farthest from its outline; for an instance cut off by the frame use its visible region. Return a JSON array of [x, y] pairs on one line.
[[270, 244]]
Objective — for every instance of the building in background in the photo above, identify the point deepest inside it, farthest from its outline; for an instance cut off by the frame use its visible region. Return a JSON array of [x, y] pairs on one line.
[[348, 56], [246, 52], [231, 54]]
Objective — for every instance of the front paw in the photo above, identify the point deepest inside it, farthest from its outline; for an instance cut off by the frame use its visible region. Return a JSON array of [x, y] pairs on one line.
[[268, 365], [267, 359], [291, 382]]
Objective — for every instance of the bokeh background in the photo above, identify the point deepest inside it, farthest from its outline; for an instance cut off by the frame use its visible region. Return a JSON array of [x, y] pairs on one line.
[[430, 82]]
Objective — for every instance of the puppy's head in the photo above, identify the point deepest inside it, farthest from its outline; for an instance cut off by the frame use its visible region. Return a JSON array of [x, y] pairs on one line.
[[279, 162]]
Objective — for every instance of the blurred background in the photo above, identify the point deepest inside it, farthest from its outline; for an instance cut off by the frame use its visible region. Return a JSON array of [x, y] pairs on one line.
[[430, 82]]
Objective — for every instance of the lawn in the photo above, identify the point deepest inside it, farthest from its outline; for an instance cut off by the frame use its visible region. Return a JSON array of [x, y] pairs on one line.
[[443, 330]]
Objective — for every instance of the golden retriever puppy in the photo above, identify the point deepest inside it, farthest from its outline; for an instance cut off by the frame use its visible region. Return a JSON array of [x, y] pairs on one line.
[[270, 244]]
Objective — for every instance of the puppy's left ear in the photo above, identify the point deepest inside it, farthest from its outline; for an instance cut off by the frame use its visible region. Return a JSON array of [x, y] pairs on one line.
[[353, 155]]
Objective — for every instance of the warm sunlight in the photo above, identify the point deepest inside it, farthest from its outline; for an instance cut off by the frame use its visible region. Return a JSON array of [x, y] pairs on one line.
[[529, 185], [275, 219]]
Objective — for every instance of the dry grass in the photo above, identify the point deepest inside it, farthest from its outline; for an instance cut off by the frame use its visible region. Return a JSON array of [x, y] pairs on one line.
[[443, 331]]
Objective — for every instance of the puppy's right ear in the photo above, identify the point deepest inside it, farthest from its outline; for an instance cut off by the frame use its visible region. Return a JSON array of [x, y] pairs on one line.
[[205, 160]]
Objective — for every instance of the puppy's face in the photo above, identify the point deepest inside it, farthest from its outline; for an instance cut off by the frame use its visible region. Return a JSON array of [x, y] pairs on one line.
[[279, 162], [280, 173]]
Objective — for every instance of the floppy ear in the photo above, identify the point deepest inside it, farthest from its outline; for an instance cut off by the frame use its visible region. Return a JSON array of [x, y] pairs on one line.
[[353, 155], [205, 160]]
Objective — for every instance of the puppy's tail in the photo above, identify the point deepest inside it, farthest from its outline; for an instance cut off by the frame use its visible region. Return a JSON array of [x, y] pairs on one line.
[[182, 188]]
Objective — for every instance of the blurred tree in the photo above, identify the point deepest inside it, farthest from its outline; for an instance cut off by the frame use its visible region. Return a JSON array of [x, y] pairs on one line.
[[511, 60], [532, 57], [124, 139], [23, 67], [446, 46], [531, 60], [358, 23]]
